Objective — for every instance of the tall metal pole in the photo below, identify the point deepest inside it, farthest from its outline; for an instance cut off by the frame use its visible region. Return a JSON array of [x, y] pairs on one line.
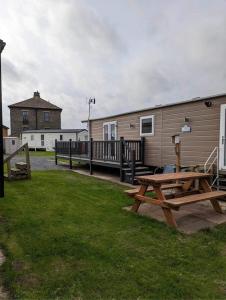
[[2, 46], [91, 101]]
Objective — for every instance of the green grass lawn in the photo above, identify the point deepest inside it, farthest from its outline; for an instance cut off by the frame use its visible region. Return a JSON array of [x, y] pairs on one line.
[[42, 153], [66, 237]]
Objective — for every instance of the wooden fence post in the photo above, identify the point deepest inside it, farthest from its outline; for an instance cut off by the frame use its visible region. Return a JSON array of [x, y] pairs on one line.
[[70, 160], [28, 161], [142, 149], [90, 156], [121, 158], [56, 152]]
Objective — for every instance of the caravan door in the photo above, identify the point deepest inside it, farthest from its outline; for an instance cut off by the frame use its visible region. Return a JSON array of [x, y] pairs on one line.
[[222, 142], [109, 134]]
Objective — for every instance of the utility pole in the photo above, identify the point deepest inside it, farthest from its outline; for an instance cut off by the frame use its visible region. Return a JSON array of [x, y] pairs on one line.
[[2, 46], [91, 101]]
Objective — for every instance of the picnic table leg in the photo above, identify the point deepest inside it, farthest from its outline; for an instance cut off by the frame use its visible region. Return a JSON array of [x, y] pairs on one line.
[[207, 188], [170, 220], [137, 203], [169, 217]]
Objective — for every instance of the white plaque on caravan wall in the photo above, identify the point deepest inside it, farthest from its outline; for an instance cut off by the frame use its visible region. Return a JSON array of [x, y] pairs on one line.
[[186, 128]]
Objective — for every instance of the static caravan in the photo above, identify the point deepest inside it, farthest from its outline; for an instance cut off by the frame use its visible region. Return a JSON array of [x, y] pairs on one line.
[[45, 139], [199, 122], [137, 142]]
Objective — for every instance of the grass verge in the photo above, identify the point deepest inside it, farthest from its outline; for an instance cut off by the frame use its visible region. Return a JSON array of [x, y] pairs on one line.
[[66, 236]]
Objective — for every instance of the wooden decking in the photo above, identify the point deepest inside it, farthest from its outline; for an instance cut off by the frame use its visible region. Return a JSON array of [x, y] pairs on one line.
[[107, 163], [124, 155]]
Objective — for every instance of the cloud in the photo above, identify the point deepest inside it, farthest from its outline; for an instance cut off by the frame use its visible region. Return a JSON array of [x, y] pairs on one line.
[[128, 54]]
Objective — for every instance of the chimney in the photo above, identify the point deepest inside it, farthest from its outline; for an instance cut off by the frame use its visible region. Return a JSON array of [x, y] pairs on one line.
[[36, 94]]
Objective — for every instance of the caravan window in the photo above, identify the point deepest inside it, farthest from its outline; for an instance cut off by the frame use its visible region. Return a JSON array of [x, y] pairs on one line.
[[147, 125]]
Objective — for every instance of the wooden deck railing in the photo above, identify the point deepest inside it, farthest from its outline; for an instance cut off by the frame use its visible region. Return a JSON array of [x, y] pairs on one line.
[[115, 152]]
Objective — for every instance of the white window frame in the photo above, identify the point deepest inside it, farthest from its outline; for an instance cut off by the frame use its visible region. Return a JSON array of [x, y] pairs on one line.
[[152, 117], [109, 128]]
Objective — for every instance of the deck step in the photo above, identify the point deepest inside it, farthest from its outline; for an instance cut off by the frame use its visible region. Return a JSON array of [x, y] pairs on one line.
[[220, 187], [140, 173], [137, 169], [222, 179], [177, 202]]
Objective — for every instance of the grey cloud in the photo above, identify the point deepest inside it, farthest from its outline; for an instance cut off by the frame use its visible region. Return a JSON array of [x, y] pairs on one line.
[[128, 55]]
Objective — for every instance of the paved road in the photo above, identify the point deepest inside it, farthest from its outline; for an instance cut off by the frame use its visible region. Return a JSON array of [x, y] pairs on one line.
[[39, 163]]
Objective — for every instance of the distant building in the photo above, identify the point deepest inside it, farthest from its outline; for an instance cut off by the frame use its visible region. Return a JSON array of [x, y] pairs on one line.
[[45, 139], [5, 130], [34, 114], [11, 144]]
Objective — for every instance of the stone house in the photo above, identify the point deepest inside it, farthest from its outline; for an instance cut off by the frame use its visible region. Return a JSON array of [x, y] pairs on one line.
[[34, 114]]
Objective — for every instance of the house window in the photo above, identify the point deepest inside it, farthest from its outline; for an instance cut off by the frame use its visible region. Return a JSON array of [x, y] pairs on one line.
[[32, 137], [13, 142], [25, 117], [46, 116], [42, 140], [147, 125], [61, 137]]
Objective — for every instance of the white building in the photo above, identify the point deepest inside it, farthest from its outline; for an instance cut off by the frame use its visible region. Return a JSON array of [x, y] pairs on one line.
[[45, 139], [11, 144]]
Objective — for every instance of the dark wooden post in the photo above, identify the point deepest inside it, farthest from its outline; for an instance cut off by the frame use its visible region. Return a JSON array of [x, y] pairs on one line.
[[121, 153], [90, 156], [28, 161], [133, 165], [142, 149], [178, 156], [56, 151], [70, 160]]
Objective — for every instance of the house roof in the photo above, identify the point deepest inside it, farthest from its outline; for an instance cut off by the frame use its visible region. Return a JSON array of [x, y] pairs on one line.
[[35, 102], [55, 131], [3, 126], [212, 97]]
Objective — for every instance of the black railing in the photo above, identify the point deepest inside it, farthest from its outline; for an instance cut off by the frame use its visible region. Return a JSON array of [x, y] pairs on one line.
[[118, 151]]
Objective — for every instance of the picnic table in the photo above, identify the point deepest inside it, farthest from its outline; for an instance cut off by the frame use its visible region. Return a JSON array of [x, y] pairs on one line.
[[184, 193]]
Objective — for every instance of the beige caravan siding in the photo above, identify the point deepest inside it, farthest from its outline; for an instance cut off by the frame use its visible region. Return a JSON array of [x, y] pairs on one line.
[[153, 143], [196, 146]]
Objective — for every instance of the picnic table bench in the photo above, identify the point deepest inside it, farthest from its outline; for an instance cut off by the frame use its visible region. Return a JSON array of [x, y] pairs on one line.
[[182, 181]]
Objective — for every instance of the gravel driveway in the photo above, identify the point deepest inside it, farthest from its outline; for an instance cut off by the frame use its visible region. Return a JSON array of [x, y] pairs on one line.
[[39, 163]]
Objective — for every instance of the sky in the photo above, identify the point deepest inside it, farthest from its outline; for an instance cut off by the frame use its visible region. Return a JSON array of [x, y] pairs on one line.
[[128, 54]]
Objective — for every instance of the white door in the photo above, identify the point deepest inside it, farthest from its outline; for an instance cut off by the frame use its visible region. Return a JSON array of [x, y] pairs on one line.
[[222, 142], [109, 134]]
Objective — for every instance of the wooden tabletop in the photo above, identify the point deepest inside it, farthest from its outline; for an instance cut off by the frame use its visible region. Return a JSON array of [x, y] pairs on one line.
[[162, 178]]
